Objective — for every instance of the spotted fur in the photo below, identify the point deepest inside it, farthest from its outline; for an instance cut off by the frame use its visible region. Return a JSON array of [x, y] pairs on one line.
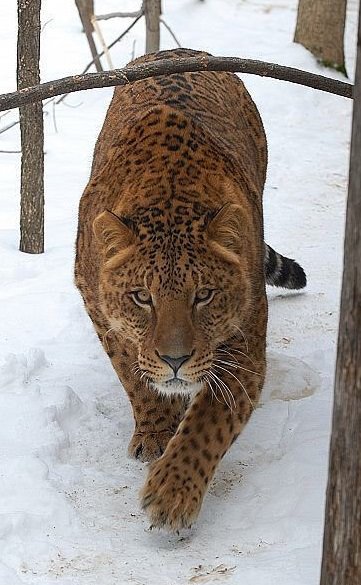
[[170, 264]]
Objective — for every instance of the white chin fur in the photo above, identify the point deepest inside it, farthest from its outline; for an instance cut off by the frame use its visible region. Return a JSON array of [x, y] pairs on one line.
[[177, 387]]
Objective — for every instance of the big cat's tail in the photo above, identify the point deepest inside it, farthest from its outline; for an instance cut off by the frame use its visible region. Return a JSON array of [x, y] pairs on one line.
[[283, 272]]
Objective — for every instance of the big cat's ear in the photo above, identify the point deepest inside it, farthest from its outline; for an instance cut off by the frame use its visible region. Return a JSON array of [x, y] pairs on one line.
[[228, 228], [112, 233]]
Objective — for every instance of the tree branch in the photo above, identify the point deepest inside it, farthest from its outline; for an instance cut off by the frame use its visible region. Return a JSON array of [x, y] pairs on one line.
[[163, 22], [10, 151], [119, 15], [167, 67], [102, 53], [119, 38], [11, 125]]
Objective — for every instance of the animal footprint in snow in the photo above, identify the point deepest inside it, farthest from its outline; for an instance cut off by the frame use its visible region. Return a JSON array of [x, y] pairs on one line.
[[20, 368], [211, 574], [288, 378], [225, 481]]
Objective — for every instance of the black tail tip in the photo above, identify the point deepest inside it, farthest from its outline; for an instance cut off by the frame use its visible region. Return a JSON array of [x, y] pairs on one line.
[[297, 278], [283, 272]]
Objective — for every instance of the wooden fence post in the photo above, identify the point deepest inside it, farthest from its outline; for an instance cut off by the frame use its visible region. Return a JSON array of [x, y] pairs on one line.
[[32, 130], [341, 563]]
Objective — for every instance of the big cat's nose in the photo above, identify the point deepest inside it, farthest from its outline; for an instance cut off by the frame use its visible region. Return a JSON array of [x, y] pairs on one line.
[[175, 362]]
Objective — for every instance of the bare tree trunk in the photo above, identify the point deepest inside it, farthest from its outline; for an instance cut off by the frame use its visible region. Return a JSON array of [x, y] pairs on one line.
[[152, 11], [86, 13], [32, 130], [86, 7], [342, 541], [321, 28]]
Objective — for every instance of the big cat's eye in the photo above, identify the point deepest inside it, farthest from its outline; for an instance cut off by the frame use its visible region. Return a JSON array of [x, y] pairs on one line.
[[141, 297], [204, 295]]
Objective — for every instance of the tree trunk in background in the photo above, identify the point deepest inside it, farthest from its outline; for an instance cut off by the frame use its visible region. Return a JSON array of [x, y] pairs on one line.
[[86, 7], [32, 130], [342, 541], [152, 11], [320, 28], [86, 12]]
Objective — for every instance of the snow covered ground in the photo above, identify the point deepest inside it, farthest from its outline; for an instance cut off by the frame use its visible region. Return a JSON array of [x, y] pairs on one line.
[[68, 494]]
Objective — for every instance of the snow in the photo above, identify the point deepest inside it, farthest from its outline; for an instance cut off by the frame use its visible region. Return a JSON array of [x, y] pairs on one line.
[[69, 510]]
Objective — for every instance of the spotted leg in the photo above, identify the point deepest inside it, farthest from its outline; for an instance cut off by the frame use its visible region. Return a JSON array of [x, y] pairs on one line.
[[156, 417], [177, 482]]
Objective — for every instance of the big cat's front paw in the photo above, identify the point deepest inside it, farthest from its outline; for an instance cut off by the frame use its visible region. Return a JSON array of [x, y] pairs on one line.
[[170, 497], [148, 446]]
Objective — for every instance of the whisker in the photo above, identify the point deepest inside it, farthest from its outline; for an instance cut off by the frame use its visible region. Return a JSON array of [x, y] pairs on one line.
[[143, 374], [205, 379], [237, 366], [227, 390], [223, 346], [214, 378], [221, 349], [239, 381], [243, 335], [213, 393], [105, 337]]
